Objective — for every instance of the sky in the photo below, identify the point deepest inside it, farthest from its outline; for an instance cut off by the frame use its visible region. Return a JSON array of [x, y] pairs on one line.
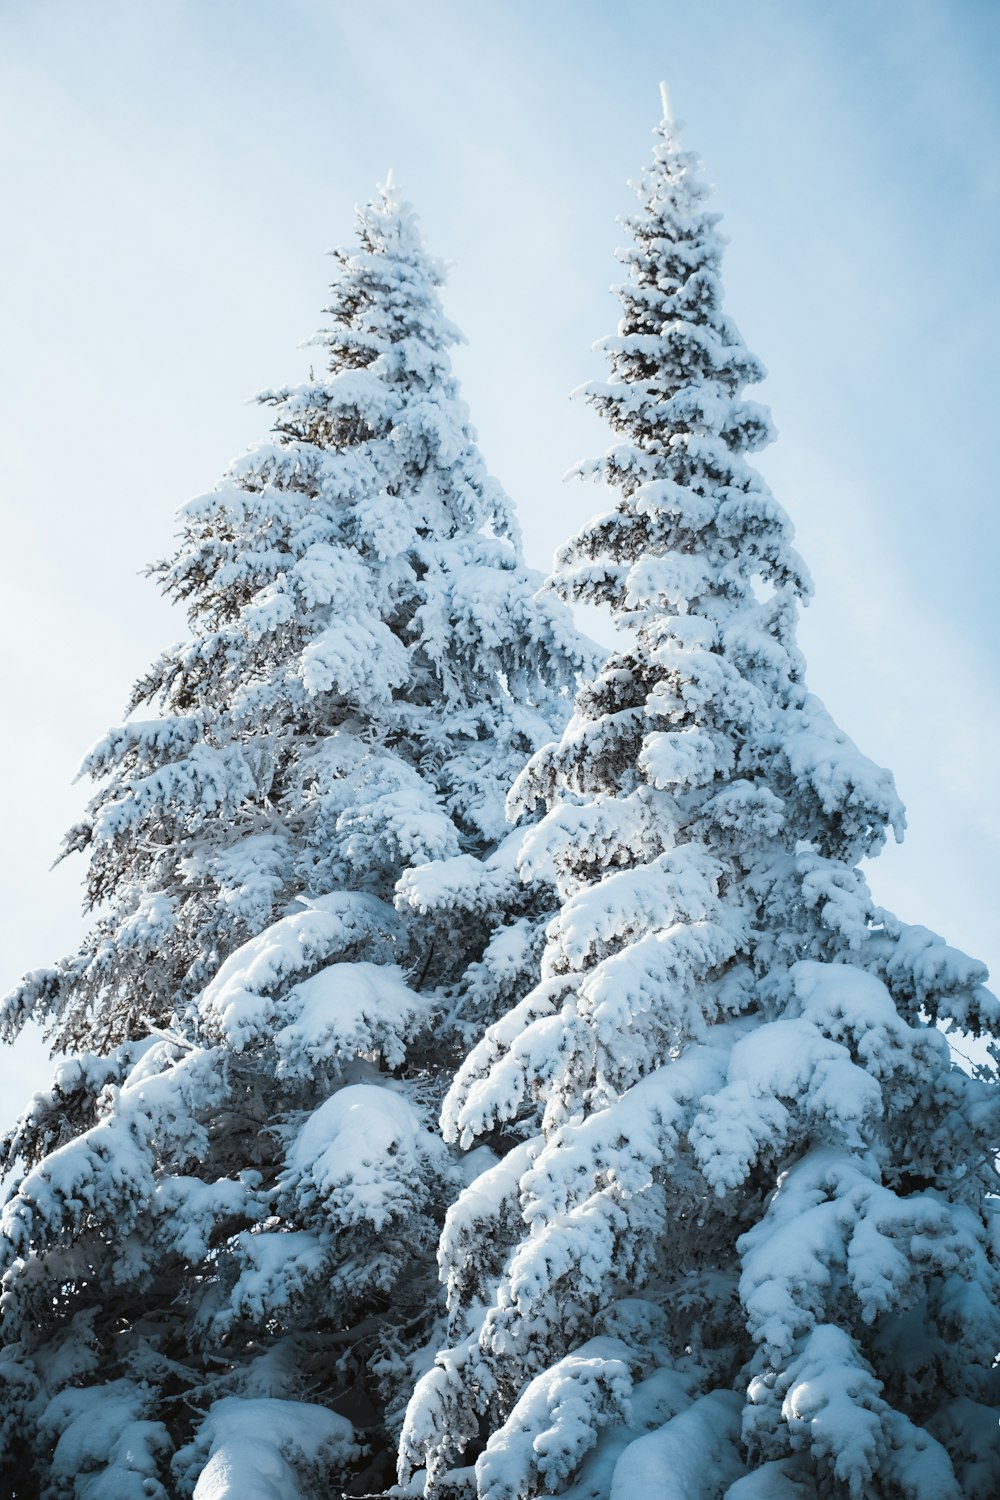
[[171, 176]]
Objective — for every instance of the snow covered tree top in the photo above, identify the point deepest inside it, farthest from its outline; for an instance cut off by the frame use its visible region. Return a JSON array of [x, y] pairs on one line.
[[368, 665], [696, 555]]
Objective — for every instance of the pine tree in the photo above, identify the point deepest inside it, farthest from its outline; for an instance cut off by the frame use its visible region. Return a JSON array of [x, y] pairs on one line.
[[745, 1245], [219, 1246]]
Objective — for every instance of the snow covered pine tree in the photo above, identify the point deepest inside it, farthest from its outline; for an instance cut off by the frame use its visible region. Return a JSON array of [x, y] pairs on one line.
[[745, 1246], [220, 1250]]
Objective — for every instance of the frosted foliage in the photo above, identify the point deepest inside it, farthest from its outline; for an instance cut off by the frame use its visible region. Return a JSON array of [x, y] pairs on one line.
[[102, 1447], [219, 1231], [737, 1111], [555, 1422], [260, 1449]]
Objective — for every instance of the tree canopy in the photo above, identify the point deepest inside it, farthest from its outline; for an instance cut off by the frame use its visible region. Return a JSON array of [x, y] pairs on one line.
[[738, 1238]]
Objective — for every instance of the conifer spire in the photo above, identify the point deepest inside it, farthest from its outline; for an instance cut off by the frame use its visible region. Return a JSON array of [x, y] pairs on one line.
[[741, 1230], [219, 1234]]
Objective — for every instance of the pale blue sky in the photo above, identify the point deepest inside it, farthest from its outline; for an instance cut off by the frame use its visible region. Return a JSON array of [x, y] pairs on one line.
[[171, 174]]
